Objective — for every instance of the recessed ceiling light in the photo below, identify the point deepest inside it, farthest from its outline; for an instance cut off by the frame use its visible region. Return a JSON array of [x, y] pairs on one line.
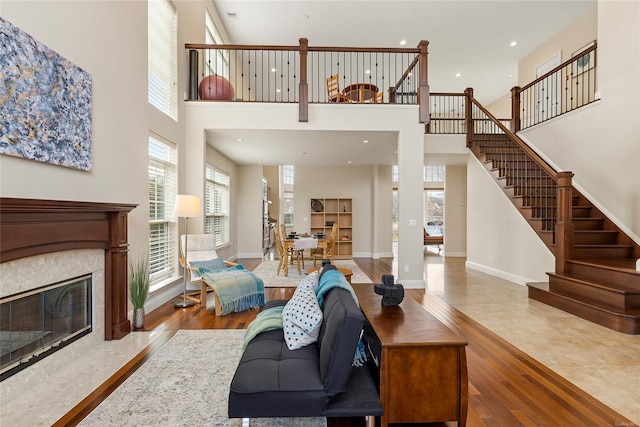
[[368, 72], [403, 42], [458, 74], [513, 43], [509, 75], [277, 90], [273, 70], [349, 162], [365, 141], [238, 139]]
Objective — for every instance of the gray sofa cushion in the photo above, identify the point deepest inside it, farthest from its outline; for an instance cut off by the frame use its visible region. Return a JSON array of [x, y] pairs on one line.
[[338, 339]]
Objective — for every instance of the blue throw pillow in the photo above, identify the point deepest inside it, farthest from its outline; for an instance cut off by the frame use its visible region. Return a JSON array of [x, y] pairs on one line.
[[212, 264]]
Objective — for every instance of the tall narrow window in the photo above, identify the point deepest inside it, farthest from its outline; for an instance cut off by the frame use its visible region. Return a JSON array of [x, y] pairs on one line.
[[162, 194], [217, 204], [163, 57], [434, 212], [434, 177], [217, 61], [287, 195]]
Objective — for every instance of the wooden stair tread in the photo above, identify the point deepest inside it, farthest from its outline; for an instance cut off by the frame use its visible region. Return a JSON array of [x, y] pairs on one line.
[[612, 287], [598, 305], [627, 265]]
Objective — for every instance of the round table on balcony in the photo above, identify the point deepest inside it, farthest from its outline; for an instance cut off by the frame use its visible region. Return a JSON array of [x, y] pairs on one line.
[[361, 92]]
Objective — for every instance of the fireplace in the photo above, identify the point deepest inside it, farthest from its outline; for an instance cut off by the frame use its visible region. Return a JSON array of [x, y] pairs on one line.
[[31, 227], [36, 323]]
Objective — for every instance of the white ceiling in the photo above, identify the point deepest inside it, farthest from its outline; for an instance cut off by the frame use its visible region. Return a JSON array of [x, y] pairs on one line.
[[467, 37]]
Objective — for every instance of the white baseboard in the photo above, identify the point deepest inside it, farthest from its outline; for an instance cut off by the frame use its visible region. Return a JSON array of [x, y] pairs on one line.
[[499, 273], [412, 284], [250, 255], [454, 254]]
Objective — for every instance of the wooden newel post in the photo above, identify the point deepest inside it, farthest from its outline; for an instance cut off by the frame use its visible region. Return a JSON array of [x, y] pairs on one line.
[[515, 109], [564, 226], [303, 88], [468, 115], [423, 89]]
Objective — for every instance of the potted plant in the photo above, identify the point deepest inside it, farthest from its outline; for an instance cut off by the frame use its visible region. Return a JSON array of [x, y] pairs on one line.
[[138, 290]]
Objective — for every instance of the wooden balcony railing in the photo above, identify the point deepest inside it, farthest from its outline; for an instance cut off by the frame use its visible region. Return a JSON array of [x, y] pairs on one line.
[[569, 86], [448, 115], [298, 74]]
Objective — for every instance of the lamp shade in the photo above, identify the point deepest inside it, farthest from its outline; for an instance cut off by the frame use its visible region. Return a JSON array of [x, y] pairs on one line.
[[187, 206]]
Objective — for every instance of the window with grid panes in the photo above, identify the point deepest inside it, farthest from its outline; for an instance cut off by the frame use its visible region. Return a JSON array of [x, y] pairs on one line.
[[163, 57], [216, 60], [162, 194], [217, 204], [287, 195]]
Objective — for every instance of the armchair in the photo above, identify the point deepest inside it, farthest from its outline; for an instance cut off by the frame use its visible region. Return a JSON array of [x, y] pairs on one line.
[[202, 256]]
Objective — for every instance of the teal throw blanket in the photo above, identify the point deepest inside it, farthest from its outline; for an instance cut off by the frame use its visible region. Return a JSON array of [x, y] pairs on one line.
[[267, 320], [238, 289]]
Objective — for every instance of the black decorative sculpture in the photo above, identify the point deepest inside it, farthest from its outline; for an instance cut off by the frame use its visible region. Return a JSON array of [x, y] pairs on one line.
[[392, 294]]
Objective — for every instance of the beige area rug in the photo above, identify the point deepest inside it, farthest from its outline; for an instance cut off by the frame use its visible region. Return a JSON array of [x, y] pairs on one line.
[[186, 383], [266, 270]]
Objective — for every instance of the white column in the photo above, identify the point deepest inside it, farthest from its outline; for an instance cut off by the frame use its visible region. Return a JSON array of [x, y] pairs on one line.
[[410, 212]]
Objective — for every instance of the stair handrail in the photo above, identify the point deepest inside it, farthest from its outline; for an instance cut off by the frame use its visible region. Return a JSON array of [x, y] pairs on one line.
[[531, 153]]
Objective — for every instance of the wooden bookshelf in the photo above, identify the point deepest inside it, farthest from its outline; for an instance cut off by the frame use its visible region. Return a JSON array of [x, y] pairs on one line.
[[326, 210]]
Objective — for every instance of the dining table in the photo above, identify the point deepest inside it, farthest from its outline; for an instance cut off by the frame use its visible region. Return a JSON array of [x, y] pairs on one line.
[[361, 92], [303, 243]]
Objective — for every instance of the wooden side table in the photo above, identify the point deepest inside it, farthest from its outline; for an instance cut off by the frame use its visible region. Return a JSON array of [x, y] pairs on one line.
[[347, 273], [421, 364]]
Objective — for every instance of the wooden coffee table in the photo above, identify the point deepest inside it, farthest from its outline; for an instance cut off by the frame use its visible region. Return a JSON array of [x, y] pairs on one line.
[[347, 273]]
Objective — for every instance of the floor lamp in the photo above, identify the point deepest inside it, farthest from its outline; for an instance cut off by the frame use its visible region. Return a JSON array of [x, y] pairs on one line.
[[186, 207]]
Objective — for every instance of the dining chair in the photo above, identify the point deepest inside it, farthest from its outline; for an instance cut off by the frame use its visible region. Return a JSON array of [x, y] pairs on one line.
[[292, 253], [287, 252], [333, 90], [331, 245], [380, 97]]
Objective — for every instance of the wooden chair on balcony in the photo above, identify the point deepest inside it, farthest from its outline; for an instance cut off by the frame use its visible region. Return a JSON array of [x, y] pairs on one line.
[[333, 90]]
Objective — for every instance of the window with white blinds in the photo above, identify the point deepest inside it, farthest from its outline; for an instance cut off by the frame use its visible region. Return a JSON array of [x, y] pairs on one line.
[[163, 57], [217, 204], [162, 194]]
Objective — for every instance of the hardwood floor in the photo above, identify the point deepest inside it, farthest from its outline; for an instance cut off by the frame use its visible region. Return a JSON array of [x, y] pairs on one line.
[[506, 386]]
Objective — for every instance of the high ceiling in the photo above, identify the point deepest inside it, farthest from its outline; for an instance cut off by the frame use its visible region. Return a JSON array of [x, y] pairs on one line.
[[469, 38]]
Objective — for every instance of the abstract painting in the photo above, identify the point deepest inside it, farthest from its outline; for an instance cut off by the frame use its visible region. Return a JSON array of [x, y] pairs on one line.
[[45, 103]]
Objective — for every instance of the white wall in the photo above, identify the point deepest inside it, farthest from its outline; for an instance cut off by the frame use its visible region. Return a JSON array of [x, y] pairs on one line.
[[500, 241], [455, 211], [108, 40], [349, 182], [582, 31]]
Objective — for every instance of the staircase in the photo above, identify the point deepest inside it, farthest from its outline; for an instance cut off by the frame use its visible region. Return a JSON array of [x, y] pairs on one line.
[[595, 275]]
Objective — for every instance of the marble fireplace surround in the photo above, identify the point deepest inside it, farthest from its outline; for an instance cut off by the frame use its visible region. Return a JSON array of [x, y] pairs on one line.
[[33, 227]]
